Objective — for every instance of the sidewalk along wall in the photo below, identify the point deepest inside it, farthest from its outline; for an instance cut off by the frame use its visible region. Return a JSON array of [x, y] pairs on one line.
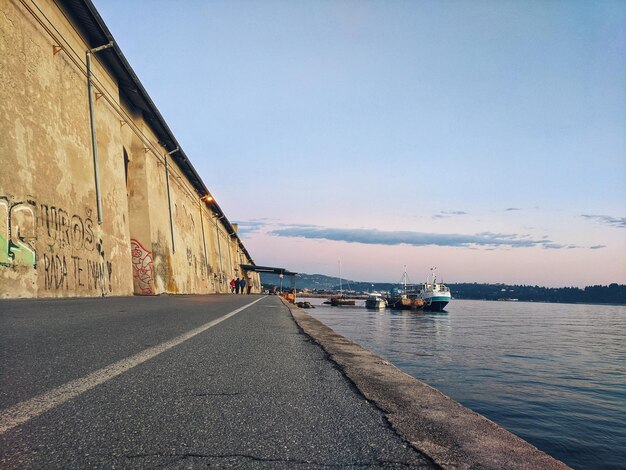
[[51, 243]]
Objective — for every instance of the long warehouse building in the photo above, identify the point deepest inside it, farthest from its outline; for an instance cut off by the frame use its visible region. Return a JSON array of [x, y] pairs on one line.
[[96, 195]]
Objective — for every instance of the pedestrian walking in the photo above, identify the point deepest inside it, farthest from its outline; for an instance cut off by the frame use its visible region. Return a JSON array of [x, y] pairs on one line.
[[242, 285], [237, 286], [249, 286], [232, 285]]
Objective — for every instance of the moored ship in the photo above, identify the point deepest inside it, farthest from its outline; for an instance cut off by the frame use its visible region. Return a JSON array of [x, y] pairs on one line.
[[435, 294], [375, 301], [405, 298]]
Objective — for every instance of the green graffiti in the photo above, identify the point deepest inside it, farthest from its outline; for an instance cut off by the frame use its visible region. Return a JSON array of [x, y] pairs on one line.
[[16, 254], [22, 254], [4, 252], [17, 231]]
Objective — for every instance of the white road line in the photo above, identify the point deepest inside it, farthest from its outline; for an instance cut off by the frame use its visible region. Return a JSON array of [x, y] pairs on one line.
[[24, 411]]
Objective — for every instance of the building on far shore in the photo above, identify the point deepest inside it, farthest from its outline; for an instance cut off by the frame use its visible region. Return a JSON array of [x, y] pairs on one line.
[[96, 195]]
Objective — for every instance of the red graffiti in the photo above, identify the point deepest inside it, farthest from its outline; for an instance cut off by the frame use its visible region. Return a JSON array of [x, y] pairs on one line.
[[142, 267]]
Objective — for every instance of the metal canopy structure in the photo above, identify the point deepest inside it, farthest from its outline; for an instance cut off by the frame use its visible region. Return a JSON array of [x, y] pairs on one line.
[[271, 270], [267, 269]]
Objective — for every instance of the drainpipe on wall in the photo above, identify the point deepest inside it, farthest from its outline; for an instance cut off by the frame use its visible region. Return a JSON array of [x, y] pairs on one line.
[[92, 119], [219, 250], [206, 259], [169, 198], [230, 257]]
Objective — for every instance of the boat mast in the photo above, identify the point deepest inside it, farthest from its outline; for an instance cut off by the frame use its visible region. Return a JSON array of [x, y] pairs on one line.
[[340, 289], [433, 275], [404, 276]]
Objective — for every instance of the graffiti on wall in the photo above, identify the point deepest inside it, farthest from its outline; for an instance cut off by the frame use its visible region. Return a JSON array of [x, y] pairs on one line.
[[73, 259], [18, 231], [142, 267], [77, 273], [18, 226], [65, 230]]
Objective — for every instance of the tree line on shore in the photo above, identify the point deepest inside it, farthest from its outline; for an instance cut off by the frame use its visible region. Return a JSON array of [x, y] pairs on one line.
[[611, 294], [598, 294]]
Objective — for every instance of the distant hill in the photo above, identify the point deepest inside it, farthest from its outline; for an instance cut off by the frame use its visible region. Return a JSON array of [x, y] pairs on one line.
[[611, 294]]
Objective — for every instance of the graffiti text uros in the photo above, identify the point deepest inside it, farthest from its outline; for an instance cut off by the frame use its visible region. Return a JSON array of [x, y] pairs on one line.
[[67, 230]]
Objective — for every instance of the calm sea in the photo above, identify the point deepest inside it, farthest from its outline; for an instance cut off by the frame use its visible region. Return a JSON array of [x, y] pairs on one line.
[[553, 374]]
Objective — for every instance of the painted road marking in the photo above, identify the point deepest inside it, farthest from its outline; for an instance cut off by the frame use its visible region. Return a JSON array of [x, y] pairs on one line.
[[24, 411]]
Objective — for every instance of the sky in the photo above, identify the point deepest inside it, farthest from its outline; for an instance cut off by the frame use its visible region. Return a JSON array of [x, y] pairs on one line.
[[486, 138]]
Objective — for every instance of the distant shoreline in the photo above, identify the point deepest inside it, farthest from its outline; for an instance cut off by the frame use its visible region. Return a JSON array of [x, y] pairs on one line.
[[612, 294], [363, 297]]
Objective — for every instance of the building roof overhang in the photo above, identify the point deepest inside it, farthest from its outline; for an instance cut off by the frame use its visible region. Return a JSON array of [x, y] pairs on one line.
[[267, 269]]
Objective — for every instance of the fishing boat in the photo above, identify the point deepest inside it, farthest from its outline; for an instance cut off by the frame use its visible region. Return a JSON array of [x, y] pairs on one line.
[[375, 301], [435, 294], [407, 297]]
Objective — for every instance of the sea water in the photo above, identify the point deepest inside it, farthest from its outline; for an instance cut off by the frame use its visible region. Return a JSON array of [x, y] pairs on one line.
[[554, 374]]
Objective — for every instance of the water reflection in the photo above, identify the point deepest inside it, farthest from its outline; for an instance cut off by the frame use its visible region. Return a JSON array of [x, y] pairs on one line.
[[554, 374]]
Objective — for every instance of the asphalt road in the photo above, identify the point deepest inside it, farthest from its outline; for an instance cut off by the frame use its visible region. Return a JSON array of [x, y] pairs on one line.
[[251, 391]]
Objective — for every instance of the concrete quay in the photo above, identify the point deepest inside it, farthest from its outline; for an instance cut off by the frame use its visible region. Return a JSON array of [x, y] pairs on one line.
[[219, 381]]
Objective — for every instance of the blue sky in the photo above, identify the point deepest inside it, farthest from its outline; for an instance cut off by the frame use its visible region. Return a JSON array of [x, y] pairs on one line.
[[487, 138]]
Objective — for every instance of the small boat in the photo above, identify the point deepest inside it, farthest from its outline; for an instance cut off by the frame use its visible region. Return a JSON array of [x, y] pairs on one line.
[[340, 300], [375, 301], [435, 294]]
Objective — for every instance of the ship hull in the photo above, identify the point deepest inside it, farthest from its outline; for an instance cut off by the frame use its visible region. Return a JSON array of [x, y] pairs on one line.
[[375, 303], [436, 303], [404, 303]]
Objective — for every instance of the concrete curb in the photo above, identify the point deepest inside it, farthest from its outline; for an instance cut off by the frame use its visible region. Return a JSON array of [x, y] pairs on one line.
[[450, 434]]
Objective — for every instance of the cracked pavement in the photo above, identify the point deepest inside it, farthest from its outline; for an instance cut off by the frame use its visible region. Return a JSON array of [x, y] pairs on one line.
[[251, 392]]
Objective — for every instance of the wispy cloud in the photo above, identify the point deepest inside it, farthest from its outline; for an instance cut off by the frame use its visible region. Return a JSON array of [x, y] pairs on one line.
[[378, 237], [246, 227], [597, 247], [512, 209], [446, 214], [619, 222], [249, 226], [559, 246]]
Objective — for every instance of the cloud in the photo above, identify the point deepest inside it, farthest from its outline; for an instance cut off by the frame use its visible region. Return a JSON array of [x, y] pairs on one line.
[[512, 209], [378, 237], [249, 226], [619, 222], [446, 214], [597, 247]]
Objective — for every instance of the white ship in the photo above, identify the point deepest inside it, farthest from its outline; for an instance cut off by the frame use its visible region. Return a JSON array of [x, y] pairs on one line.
[[435, 294], [375, 301]]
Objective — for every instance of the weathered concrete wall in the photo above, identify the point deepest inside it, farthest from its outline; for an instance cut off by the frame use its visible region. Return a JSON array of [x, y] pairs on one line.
[[51, 243]]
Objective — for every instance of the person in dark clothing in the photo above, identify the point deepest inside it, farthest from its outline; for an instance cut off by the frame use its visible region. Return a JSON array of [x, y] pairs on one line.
[[242, 285], [237, 285]]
